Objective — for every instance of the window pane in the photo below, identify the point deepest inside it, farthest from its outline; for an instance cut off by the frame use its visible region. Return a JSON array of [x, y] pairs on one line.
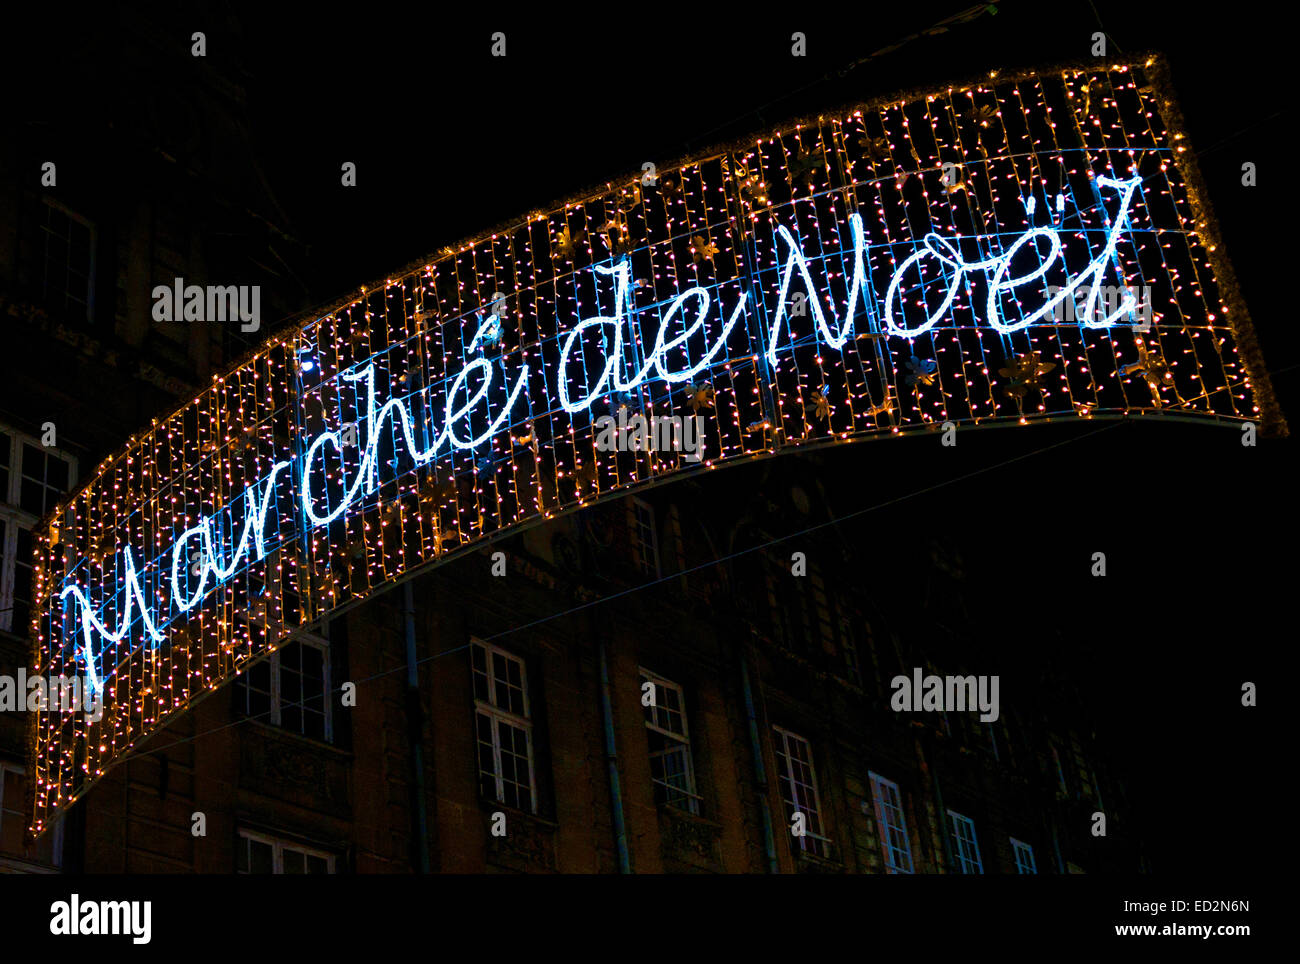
[[478, 666], [14, 792], [487, 766], [313, 725], [32, 497], [22, 600], [56, 473], [293, 862], [313, 663], [258, 689], [260, 857], [33, 462]]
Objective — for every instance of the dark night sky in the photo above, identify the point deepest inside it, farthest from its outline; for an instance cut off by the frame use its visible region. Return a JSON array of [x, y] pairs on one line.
[[1197, 529]]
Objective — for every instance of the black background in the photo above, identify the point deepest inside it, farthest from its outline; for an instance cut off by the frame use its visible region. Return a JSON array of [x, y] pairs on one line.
[[1198, 529]]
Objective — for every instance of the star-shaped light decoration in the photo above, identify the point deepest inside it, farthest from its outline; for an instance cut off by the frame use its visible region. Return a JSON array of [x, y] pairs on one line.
[[438, 489], [1152, 367], [528, 439], [1025, 372], [754, 190], [804, 165], [699, 396], [617, 238], [670, 186], [877, 148], [823, 403], [357, 547], [921, 371], [585, 476], [752, 187], [702, 249], [566, 243], [442, 541], [884, 408], [630, 200]]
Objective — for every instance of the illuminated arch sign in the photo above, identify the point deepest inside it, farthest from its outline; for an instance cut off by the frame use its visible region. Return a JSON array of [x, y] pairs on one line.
[[1026, 250]]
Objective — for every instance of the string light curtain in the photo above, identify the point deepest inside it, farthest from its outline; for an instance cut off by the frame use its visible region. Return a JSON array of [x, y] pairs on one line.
[[825, 283]]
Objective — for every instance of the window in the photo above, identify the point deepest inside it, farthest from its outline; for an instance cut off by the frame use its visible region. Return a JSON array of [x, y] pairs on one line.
[[290, 689], [993, 740], [797, 623], [1060, 772], [1087, 780], [504, 728], [893, 825], [67, 270], [822, 606], [798, 781], [645, 542], [33, 477], [44, 477], [48, 850], [12, 805], [965, 848], [852, 661], [1024, 857], [671, 769], [260, 854]]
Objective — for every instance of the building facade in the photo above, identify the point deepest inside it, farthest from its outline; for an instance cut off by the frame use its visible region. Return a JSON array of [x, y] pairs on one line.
[[150, 181], [664, 683]]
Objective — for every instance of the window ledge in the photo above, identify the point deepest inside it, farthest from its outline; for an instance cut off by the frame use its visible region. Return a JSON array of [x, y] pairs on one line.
[[513, 813], [288, 736]]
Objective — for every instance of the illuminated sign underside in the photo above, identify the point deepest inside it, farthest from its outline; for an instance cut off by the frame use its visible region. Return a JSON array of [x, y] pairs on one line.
[[942, 259]]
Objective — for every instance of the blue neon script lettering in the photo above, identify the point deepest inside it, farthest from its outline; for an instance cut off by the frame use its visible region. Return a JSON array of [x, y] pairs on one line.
[[368, 471], [997, 268], [689, 309], [623, 311], [257, 499]]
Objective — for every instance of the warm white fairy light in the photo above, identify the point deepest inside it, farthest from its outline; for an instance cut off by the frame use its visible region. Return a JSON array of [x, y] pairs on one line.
[[429, 474]]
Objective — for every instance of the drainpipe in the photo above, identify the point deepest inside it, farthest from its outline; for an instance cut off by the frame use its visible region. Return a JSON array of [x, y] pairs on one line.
[[611, 758], [415, 725], [760, 772], [943, 813], [1056, 844]]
